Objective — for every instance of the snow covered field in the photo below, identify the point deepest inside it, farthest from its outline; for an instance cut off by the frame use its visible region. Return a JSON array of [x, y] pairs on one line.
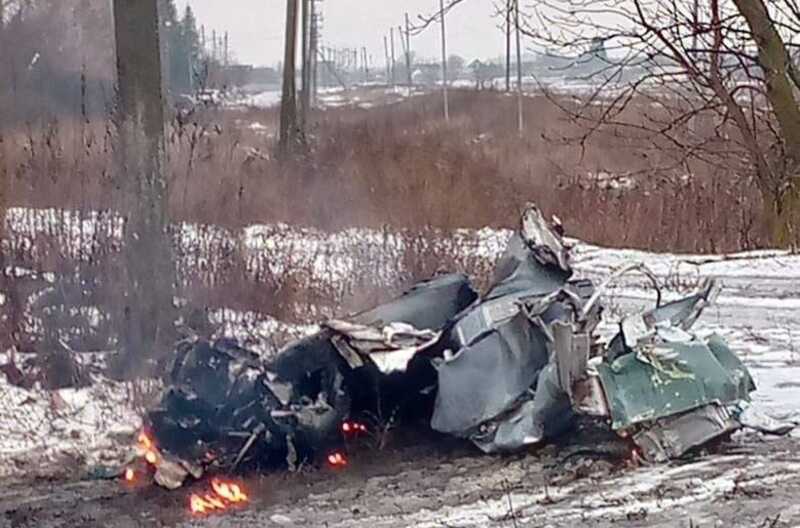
[[68, 432], [758, 312]]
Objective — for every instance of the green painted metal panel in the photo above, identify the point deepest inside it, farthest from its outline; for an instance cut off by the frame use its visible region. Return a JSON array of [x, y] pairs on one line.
[[665, 379]]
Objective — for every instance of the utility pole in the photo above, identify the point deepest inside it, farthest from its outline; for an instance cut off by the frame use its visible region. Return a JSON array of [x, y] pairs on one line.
[[314, 44], [386, 58], [520, 116], [227, 57], [394, 63], [148, 313], [444, 64], [288, 125], [508, 44], [366, 64], [305, 94], [408, 51]]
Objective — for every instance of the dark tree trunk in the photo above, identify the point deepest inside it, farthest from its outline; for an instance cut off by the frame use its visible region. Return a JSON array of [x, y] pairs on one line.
[[147, 318], [774, 59], [288, 125]]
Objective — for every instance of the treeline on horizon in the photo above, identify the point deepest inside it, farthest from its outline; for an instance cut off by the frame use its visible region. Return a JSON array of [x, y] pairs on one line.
[[57, 57]]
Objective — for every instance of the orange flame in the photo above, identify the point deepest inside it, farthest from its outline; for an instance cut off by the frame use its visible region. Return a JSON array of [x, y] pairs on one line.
[[130, 475], [225, 494], [230, 492], [147, 445], [353, 428], [145, 441], [337, 460]]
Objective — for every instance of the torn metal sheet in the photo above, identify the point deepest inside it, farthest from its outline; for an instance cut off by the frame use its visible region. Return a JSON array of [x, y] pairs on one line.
[[226, 408], [499, 384], [666, 379], [391, 347], [507, 370], [675, 436]]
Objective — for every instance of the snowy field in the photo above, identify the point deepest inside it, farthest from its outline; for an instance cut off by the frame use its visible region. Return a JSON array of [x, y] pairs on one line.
[[359, 96], [70, 433], [757, 312], [371, 95]]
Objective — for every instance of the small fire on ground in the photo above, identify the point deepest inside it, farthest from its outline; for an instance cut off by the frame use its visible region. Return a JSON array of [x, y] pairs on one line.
[[222, 496]]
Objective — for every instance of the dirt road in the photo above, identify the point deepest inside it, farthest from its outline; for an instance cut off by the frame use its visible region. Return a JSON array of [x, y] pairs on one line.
[[749, 482]]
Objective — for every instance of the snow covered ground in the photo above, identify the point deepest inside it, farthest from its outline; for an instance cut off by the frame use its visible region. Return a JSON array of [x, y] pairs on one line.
[[46, 433], [758, 312]]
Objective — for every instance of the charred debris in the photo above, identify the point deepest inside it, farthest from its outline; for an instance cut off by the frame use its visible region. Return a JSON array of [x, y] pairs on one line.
[[510, 369]]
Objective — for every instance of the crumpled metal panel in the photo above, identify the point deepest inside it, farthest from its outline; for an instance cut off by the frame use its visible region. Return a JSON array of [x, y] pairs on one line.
[[226, 407], [482, 379], [507, 371], [391, 347], [490, 385], [666, 379], [428, 305], [541, 413], [673, 437]]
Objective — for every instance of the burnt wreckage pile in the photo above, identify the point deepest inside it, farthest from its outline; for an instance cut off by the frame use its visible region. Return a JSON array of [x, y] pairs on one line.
[[506, 370]]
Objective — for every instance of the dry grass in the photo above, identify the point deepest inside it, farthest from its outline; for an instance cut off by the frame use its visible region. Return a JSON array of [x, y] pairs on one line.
[[402, 166], [399, 167]]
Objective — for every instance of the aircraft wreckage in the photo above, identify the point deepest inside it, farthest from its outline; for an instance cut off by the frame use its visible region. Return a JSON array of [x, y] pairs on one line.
[[507, 370]]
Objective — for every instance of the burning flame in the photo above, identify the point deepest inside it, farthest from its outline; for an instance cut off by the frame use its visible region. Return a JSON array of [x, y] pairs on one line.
[[147, 446], [225, 494], [353, 428], [130, 475], [337, 460], [230, 492], [145, 442]]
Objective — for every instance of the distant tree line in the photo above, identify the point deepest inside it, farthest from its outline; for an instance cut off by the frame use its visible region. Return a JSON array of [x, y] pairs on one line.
[[57, 58]]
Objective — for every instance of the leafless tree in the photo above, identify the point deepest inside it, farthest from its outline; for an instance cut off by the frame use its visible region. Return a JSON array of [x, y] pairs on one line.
[[712, 81], [147, 306]]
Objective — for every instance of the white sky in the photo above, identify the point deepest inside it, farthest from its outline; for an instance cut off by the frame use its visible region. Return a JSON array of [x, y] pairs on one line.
[[256, 27]]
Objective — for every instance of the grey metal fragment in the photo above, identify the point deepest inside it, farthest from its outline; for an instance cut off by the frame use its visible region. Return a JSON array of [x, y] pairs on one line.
[[673, 437]]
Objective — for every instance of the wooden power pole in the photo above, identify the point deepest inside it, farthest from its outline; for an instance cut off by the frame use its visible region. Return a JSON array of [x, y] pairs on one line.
[[314, 50], [509, 4], [520, 116], [288, 125], [148, 310], [394, 62], [305, 100], [408, 52], [386, 56], [444, 64]]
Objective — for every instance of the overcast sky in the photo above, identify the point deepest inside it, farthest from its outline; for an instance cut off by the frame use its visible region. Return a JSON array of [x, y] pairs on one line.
[[256, 27]]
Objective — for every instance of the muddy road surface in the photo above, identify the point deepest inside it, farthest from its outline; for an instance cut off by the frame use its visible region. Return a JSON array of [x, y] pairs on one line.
[[747, 481]]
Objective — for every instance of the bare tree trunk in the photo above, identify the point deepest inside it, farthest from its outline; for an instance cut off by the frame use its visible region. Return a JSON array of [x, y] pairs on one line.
[[444, 64], [288, 125], [508, 44], [520, 116], [148, 302], [774, 59], [305, 94], [5, 284], [314, 44]]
